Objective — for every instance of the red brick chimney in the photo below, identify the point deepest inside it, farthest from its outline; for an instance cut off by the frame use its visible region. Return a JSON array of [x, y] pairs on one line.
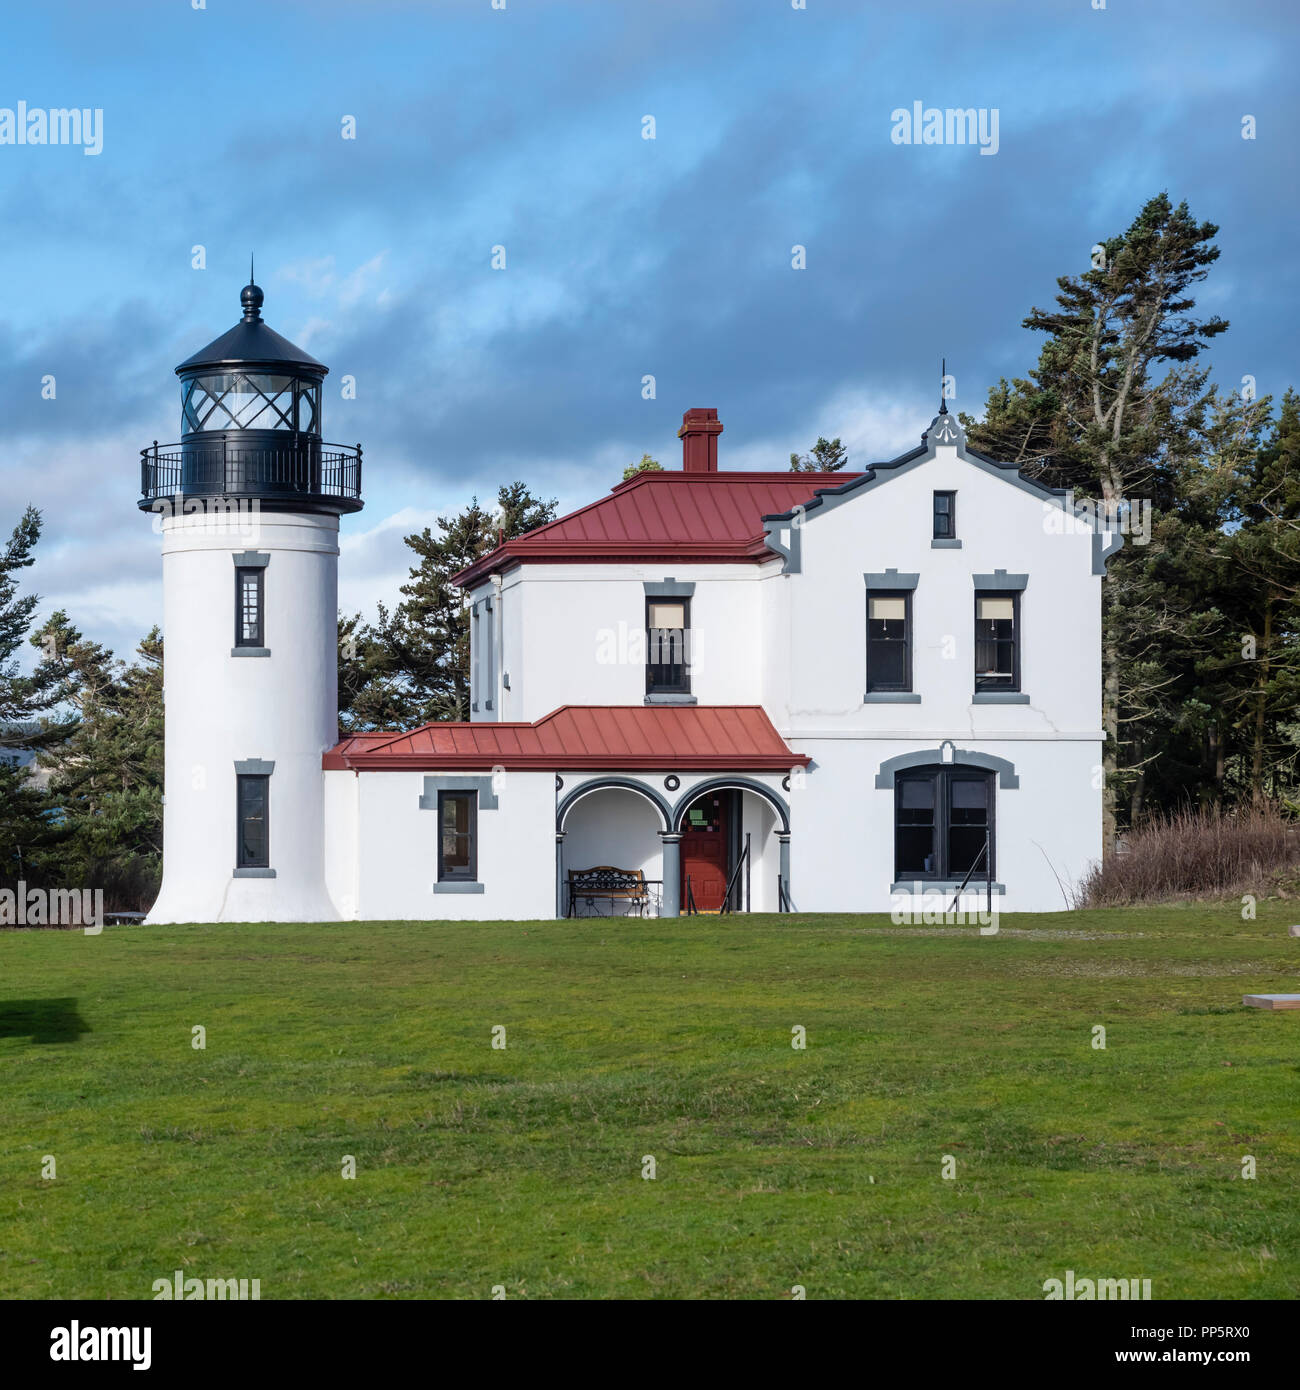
[[699, 435]]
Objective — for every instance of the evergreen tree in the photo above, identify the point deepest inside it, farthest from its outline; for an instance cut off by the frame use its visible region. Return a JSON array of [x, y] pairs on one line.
[[1094, 418], [27, 821], [646, 465], [826, 456], [412, 667], [106, 773]]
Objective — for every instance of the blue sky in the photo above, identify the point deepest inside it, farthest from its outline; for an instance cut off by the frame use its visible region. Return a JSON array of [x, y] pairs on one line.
[[625, 257]]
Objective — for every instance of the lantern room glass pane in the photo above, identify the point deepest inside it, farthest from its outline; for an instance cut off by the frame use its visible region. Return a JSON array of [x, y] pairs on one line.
[[239, 401], [308, 407]]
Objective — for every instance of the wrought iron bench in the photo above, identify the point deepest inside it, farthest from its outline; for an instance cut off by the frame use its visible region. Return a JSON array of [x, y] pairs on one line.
[[608, 884]]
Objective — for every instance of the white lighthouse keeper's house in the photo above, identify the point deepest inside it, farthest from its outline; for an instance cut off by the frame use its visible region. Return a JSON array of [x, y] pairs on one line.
[[249, 504], [710, 690]]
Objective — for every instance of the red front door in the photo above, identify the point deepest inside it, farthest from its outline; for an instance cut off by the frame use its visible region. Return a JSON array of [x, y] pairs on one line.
[[704, 852]]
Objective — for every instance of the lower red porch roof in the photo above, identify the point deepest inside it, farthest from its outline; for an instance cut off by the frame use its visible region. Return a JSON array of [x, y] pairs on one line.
[[674, 738]]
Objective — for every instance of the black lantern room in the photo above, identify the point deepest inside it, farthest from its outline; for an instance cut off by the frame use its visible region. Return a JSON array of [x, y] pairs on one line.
[[251, 422]]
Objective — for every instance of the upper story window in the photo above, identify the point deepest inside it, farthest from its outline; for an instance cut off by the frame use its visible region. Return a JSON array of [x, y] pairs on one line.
[[250, 624], [667, 661], [945, 516], [457, 837], [997, 641], [889, 640], [253, 847]]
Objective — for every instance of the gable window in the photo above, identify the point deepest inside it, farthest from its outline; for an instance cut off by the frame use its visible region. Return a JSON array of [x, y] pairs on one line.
[[457, 836], [252, 796], [945, 516], [250, 627], [942, 819], [667, 662], [997, 641], [889, 640]]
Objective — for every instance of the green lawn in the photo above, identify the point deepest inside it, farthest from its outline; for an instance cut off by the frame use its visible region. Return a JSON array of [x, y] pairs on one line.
[[522, 1167]]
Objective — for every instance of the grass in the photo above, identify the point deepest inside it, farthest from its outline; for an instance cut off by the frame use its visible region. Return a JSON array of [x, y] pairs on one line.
[[775, 1167]]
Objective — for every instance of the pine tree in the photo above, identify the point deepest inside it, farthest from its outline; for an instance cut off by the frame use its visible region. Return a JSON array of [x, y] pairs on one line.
[[106, 773], [646, 465], [412, 666], [826, 456], [1093, 418], [28, 823]]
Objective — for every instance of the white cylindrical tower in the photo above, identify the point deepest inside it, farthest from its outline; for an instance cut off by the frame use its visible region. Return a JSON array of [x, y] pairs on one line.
[[248, 506]]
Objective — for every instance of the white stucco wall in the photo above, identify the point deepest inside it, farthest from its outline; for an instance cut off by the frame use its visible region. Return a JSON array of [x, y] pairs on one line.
[[574, 634], [842, 826], [889, 527], [222, 709], [398, 859]]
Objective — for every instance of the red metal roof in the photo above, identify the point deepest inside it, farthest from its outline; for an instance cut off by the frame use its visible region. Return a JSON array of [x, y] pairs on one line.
[[706, 517], [579, 737]]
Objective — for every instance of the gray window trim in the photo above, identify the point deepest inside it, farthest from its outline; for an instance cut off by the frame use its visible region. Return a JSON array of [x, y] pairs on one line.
[[250, 651], [945, 545], [254, 767], [999, 697], [891, 579], [943, 885], [450, 782], [891, 697], [669, 588], [489, 652], [250, 559], [1000, 579], [475, 656], [670, 699], [456, 885], [1007, 777], [253, 873]]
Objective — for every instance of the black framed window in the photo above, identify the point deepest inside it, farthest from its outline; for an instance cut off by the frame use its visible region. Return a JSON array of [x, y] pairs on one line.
[[667, 661], [997, 641], [252, 799], [250, 626], [941, 818], [889, 640], [945, 516], [457, 836]]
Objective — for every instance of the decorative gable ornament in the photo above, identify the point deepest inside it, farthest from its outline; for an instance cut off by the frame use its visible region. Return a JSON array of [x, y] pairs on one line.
[[944, 429]]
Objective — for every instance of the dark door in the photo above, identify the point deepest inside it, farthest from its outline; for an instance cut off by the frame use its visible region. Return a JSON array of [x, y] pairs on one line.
[[706, 850]]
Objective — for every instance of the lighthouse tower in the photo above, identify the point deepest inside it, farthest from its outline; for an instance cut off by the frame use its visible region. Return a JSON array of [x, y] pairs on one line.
[[248, 504]]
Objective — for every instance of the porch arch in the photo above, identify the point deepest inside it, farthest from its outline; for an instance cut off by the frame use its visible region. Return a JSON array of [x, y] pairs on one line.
[[614, 783], [747, 784]]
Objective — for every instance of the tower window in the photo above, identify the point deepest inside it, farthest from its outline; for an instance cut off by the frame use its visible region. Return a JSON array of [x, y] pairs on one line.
[[252, 795], [250, 627], [457, 837], [945, 516]]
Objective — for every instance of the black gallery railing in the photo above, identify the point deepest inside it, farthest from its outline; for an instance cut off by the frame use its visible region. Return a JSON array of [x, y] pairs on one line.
[[244, 467]]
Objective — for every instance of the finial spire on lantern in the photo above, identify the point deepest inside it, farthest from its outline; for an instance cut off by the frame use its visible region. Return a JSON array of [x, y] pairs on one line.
[[251, 297], [943, 382]]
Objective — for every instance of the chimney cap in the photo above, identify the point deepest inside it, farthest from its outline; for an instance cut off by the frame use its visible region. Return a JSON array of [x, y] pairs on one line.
[[699, 435], [700, 419]]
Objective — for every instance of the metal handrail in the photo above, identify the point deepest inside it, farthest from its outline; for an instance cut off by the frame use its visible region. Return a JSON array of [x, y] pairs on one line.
[[226, 466], [984, 856], [735, 874]]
